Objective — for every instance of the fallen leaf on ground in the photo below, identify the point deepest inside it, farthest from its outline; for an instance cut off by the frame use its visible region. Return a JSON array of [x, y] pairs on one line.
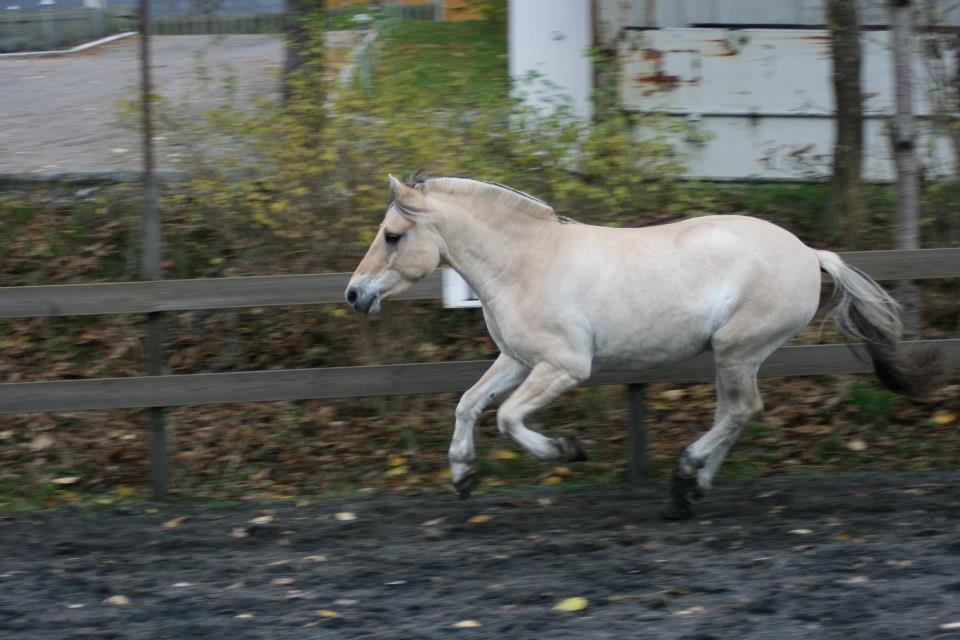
[[243, 616], [317, 558], [345, 602], [173, 523], [66, 480], [943, 417], [504, 455], [466, 624], [327, 613], [262, 520], [857, 444], [396, 461], [394, 472], [282, 582], [552, 480], [239, 532], [848, 535], [900, 564], [41, 442], [950, 625], [572, 605], [345, 516], [118, 599], [480, 518], [801, 532]]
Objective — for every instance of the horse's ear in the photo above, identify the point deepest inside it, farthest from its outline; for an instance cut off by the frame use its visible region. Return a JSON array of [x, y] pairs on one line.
[[409, 201], [397, 187]]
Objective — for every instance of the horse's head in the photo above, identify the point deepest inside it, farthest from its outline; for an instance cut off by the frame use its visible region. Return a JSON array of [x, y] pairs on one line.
[[406, 248]]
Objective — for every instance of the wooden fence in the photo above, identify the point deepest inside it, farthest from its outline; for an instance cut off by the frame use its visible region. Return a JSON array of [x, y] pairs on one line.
[[339, 382]]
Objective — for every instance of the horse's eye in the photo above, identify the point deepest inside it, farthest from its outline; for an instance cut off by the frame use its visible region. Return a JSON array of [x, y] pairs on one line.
[[392, 238]]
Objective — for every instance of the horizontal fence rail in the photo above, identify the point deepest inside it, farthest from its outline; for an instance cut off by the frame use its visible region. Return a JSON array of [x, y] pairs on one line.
[[379, 380], [186, 295], [265, 291]]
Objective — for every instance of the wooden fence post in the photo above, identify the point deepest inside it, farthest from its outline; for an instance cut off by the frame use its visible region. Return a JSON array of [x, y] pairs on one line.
[[150, 265], [637, 450]]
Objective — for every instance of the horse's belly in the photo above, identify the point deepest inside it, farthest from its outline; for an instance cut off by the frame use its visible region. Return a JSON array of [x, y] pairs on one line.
[[650, 346]]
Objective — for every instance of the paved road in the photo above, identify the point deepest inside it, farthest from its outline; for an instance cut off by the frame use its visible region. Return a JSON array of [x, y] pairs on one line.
[[158, 7], [59, 114]]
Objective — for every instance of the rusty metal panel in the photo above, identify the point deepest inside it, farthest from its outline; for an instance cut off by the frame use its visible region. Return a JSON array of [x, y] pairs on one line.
[[746, 148], [765, 98], [611, 17], [781, 71], [659, 14]]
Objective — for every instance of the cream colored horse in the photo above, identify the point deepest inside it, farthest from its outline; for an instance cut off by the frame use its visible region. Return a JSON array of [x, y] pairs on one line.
[[563, 299]]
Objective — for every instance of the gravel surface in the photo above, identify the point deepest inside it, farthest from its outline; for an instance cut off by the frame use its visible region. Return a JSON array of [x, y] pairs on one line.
[[60, 114], [851, 557]]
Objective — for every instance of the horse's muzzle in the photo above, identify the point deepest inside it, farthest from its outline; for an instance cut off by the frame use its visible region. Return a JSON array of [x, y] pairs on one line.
[[363, 299]]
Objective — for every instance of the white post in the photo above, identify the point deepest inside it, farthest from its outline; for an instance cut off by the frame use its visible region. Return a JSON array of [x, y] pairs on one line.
[[552, 39]]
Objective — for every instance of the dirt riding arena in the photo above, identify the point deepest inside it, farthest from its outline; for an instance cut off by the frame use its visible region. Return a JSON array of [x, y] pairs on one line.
[[854, 557]]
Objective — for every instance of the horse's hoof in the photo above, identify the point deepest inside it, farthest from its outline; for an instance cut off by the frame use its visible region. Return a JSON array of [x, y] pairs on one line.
[[683, 491], [684, 488], [675, 511], [467, 484], [572, 450]]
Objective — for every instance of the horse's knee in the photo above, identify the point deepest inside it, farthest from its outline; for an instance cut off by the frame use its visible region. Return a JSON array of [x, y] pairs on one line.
[[506, 421], [464, 412], [747, 409]]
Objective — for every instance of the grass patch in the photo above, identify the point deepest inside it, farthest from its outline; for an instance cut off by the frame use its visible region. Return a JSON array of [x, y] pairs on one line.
[[443, 64]]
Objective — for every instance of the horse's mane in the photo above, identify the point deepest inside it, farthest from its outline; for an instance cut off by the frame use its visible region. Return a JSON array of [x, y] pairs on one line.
[[492, 192]]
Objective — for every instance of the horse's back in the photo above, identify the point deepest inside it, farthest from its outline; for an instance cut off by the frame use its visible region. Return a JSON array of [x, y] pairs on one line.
[[678, 284]]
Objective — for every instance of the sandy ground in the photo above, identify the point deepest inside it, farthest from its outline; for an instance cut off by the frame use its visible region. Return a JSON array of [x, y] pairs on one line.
[[872, 557], [60, 114]]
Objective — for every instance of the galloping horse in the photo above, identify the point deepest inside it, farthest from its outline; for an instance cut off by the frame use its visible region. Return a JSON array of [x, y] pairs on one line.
[[562, 299]]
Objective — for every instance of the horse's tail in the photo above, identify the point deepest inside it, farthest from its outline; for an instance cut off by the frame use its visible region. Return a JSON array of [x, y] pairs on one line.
[[867, 313]]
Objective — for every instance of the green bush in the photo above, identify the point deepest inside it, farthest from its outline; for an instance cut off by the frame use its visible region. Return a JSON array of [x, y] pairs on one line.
[[312, 172]]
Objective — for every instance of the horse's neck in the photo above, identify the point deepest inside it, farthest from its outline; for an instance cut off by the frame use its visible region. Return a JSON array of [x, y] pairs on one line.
[[485, 248]]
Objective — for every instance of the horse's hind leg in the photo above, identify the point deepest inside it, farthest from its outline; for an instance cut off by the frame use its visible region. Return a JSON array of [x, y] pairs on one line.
[[739, 352], [738, 402]]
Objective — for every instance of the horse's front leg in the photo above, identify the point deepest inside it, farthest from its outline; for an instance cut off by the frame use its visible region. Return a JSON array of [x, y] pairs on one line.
[[505, 374], [545, 382]]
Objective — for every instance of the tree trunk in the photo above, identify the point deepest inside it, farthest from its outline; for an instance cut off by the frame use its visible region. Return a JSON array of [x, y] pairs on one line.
[[845, 207], [904, 147], [300, 46]]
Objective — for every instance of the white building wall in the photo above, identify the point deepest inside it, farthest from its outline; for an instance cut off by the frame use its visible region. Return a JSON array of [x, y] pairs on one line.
[[763, 96], [551, 38]]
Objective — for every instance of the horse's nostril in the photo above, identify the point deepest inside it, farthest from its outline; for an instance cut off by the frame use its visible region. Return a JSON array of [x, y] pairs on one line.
[[351, 295]]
